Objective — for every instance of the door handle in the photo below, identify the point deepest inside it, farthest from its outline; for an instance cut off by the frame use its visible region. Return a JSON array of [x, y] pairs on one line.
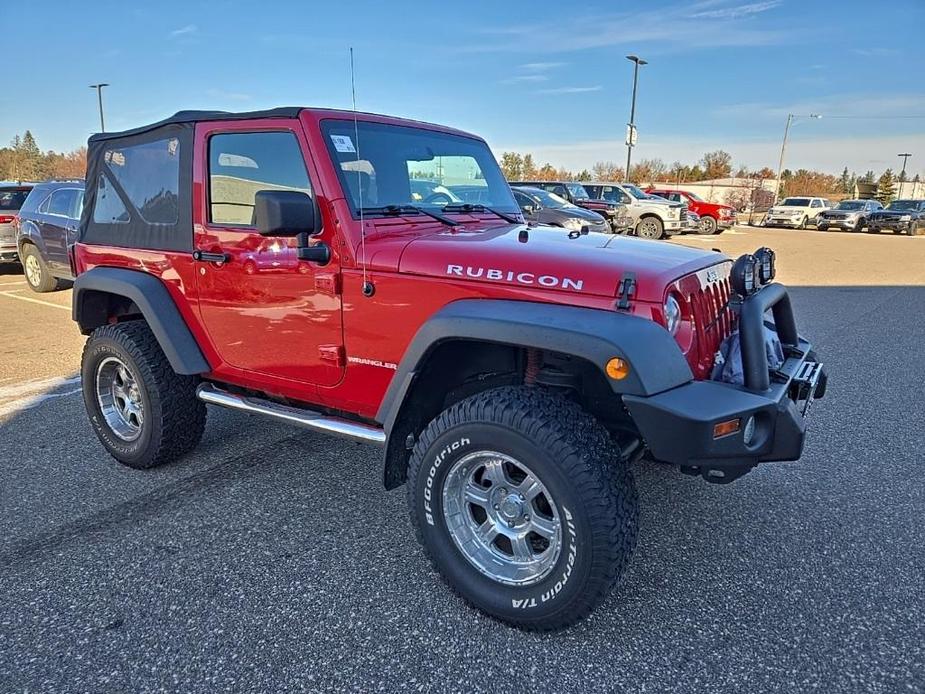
[[206, 257]]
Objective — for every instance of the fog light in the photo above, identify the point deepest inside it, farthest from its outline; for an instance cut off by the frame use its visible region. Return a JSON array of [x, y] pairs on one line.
[[748, 434], [725, 428], [618, 369]]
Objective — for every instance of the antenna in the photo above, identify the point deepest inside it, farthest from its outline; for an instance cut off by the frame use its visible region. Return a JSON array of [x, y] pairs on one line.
[[368, 287]]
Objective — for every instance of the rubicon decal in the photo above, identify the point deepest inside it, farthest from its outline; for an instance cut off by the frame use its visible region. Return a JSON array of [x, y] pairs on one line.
[[529, 278]]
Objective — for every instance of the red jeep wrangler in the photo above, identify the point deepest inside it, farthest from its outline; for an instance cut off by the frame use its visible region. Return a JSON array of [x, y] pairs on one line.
[[274, 263], [714, 218]]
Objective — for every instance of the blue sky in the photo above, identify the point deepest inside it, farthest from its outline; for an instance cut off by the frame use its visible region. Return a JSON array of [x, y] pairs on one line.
[[544, 77]]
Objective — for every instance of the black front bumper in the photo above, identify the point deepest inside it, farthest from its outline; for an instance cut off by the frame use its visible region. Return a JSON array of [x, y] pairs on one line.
[[678, 424], [890, 224]]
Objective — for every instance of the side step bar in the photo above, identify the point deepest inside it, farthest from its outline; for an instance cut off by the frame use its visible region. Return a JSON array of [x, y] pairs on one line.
[[293, 415]]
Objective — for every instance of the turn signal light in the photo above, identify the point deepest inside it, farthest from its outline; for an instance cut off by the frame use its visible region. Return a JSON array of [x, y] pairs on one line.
[[618, 369], [725, 428]]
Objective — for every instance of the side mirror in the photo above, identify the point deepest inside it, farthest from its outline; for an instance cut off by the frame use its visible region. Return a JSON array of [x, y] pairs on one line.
[[527, 209], [284, 213]]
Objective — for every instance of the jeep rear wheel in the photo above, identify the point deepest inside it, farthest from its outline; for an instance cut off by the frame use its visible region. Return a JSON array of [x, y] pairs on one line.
[[524, 506], [707, 226], [650, 228], [143, 412]]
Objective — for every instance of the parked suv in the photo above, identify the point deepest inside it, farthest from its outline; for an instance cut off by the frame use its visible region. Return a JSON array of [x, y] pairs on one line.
[[511, 373], [652, 218], [538, 205], [847, 214], [614, 212], [796, 213], [900, 216], [714, 218], [12, 198], [47, 229]]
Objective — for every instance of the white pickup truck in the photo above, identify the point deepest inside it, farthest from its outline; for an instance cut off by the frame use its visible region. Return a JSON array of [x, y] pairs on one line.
[[796, 213]]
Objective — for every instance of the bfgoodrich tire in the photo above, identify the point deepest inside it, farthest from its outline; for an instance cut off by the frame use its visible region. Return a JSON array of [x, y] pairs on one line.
[[524, 506], [143, 412]]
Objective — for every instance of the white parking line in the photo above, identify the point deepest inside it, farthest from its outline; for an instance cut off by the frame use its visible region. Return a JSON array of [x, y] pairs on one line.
[[11, 295], [28, 394], [15, 406], [10, 284]]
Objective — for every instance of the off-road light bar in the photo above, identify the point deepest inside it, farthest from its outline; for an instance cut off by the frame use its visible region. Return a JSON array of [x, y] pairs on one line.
[[766, 266]]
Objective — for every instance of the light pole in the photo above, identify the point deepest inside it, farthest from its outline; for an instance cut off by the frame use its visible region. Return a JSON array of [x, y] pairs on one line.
[[783, 147], [631, 133], [99, 97], [902, 177]]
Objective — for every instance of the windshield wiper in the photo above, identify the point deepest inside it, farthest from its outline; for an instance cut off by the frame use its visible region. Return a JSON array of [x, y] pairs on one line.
[[469, 207], [400, 209]]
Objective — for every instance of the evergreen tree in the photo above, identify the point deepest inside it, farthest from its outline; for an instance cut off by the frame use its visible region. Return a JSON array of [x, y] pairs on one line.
[[886, 187]]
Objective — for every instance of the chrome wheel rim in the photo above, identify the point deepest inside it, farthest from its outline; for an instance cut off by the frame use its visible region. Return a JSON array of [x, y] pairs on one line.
[[33, 270], [502, 518], [649, 229], [119, 397], [707, 225]]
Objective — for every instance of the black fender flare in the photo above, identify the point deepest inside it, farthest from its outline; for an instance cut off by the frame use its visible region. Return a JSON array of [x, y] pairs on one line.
[[656, 361], [157, 307]]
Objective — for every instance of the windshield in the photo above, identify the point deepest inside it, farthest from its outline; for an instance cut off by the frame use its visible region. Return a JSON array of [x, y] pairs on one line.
[[795, 202], [694, 196], [550, 200], [634, 191], [397, 165], [907, 205], [578, 191], [850, 205], [12, 199]]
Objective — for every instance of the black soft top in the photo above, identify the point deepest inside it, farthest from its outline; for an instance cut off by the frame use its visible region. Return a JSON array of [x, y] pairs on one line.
[[200, 116]]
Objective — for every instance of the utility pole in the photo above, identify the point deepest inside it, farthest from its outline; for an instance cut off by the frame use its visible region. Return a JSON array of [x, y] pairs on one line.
[[631, 131], [99, 96], [783, 148], [902, 177]]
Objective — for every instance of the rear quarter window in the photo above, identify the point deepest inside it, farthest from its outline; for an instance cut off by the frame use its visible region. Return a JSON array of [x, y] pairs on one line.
[[150, 175]]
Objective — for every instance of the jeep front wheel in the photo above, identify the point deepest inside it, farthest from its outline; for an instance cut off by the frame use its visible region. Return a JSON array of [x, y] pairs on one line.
[[650, 228], [524, 506], [143, 412]]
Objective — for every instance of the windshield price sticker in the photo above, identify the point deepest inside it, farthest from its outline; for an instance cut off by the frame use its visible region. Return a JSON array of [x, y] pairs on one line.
[[343, 143]]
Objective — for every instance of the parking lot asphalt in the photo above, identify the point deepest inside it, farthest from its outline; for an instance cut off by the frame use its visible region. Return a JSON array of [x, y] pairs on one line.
[[270, 559]]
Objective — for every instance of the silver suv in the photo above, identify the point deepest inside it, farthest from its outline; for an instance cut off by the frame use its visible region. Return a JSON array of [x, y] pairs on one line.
[[653, 217]]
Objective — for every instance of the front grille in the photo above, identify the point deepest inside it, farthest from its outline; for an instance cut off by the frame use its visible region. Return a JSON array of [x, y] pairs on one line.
[[684, 213], [714, 320]]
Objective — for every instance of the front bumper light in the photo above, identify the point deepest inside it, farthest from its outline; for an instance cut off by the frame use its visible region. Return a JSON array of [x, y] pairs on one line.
[[906, 218]]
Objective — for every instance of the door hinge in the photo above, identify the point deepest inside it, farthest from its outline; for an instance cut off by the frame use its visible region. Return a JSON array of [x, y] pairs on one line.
[[336, 354], [626, 290], [328, 283]]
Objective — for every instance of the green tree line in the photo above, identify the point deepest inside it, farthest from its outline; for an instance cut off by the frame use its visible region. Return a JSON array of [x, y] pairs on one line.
[[22, 160]]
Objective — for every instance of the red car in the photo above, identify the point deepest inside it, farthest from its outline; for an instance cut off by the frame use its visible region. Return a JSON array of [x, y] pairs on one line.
[[276, 263], [714, 218]]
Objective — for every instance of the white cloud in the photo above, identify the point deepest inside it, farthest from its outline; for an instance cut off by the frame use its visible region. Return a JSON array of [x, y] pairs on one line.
[[875, 52], [539, 67], [184, 31], [525, 78], [737, 11], [570, 90]]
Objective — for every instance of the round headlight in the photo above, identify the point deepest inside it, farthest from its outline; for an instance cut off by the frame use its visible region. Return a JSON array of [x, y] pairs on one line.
[[742, 275], [766, 266], [672, 315]]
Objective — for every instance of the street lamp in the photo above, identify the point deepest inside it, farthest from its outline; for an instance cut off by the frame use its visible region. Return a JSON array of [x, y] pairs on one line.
[[99, 96], [783, 147], [631, 131], [902, 177]]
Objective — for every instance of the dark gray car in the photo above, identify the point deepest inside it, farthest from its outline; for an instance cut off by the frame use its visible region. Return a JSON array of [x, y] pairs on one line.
[[12, 197], [543, 207]]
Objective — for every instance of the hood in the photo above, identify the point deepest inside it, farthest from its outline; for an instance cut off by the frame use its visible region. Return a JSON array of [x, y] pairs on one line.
[[895, 213], [575, 212], [781, 209], [550, 258]]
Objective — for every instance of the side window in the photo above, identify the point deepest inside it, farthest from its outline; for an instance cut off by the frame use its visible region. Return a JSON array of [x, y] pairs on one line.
[[522, 200], [43, 208], [78, 207], [240, 164], [675, 197], [816, 203], [560, 191], [62, 202], [150, 175], [108, 208]]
